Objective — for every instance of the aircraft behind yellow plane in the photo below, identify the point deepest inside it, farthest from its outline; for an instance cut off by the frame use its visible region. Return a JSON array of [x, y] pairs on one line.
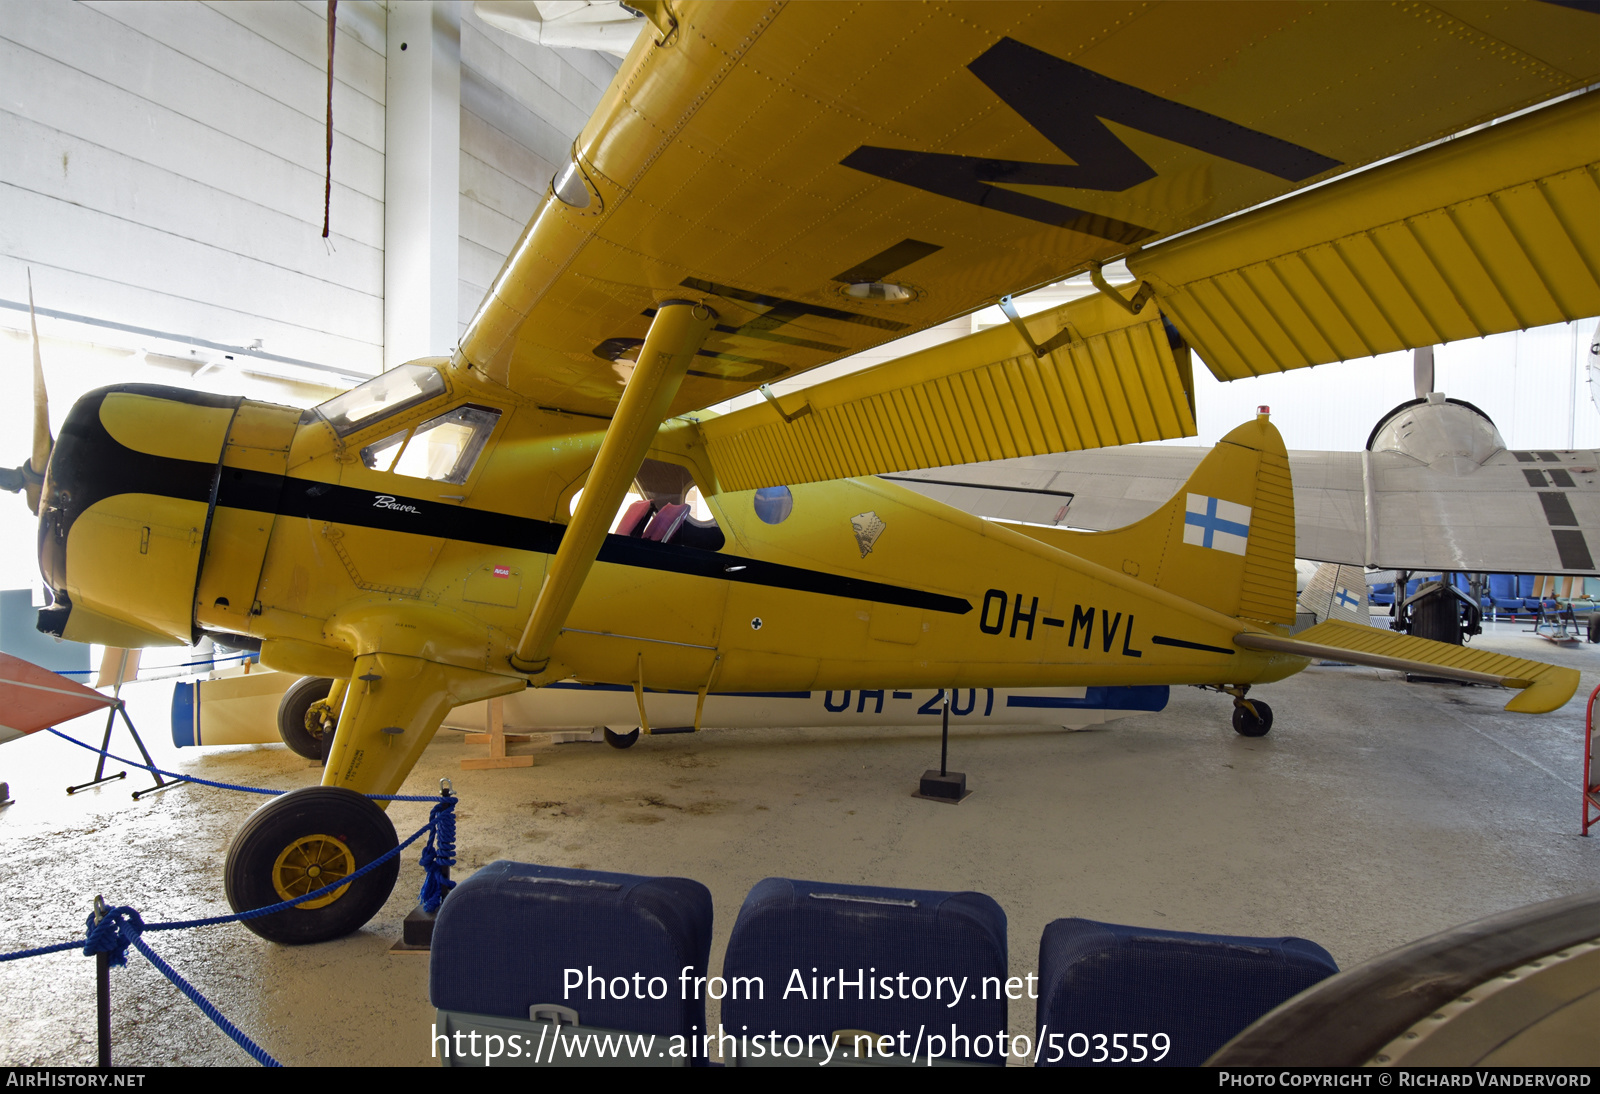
[[766, 188]]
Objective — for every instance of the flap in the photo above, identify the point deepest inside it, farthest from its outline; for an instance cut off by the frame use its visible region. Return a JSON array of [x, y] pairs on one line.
[[983, 397]]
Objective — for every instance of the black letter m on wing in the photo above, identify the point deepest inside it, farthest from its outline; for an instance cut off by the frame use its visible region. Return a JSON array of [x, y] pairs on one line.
[[1065, 103]]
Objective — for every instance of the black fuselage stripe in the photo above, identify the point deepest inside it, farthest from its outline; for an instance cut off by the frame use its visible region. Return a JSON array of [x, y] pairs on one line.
[[254, 490], [89, 465], [1185, 645]]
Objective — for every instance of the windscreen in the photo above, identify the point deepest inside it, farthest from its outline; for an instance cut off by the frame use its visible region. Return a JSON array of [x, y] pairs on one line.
[[383, 395]]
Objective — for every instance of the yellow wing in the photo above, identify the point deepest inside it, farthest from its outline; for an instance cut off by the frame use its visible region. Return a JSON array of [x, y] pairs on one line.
[[798, 167], [1496, 231]]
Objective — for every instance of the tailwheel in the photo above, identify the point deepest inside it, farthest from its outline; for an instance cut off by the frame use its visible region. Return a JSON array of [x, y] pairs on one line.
[[303, 841], [1251, 723], [621, 740]]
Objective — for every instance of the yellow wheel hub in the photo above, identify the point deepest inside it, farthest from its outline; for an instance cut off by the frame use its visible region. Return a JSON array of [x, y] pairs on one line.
[[311, 863]]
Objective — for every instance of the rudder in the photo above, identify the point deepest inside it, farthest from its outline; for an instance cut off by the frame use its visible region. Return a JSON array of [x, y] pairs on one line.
[[1226, 540]]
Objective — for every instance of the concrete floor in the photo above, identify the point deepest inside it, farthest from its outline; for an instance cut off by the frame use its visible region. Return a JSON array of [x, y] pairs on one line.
[[1376, 812]]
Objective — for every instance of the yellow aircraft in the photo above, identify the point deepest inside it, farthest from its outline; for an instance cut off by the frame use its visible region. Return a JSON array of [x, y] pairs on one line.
[[766, 188]]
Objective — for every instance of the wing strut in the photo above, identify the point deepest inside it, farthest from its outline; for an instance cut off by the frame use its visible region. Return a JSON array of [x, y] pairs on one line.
[[678, 331]]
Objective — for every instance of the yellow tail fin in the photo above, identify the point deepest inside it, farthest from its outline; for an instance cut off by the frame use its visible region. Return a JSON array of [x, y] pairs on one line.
[[1226, 540]]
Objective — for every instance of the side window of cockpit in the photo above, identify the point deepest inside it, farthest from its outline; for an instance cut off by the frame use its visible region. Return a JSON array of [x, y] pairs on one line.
[[443, 449], [379, 455]]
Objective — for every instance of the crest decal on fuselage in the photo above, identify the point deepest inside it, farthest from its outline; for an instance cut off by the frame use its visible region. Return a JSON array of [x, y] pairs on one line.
[[868, 527]]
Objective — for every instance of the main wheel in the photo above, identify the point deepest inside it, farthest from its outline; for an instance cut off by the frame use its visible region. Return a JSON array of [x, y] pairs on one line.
[[293, 711], [1437, 617], [621, 740], [1252, 725], [300, 842]]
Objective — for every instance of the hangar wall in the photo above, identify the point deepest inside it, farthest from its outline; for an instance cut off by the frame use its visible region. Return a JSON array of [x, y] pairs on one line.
[[164, 166], [165, 170], [522, 106]]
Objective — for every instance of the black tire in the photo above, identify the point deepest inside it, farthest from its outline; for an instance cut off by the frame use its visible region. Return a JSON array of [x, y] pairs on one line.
[[292, 715], [296, 819], [621, 740], [1437, 617], [1252, 725]]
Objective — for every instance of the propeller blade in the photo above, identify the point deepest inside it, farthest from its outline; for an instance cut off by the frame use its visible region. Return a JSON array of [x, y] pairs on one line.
[[1422, 370], [43, 442]]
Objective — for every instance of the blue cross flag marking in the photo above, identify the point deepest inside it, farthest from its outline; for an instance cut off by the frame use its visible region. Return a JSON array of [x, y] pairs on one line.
[[1346, 600], [1217, 524]]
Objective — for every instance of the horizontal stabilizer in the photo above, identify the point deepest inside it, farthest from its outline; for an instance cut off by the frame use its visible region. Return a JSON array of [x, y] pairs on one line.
[[1109, 378], [1495, 231], [1542, 688]]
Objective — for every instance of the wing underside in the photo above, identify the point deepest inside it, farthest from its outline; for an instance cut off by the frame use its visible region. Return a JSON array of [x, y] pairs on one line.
[[776, 162], [1528, 512]]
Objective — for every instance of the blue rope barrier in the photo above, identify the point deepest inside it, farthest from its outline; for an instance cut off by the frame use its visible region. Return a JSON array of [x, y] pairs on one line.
[[39, 951], [206, 1008], [113, 932], [155, 668], [175, 776], [120, 957], [272, 909], [119, 928]]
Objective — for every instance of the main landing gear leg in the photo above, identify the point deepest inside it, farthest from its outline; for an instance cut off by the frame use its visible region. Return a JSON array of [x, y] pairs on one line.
[[310, 838]]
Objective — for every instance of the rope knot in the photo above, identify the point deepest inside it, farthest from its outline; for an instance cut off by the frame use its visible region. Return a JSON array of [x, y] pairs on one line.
[[113, 934], [439, 854]]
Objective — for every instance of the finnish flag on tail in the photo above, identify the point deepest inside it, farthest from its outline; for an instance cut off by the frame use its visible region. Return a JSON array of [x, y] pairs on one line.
[[1220, 525]]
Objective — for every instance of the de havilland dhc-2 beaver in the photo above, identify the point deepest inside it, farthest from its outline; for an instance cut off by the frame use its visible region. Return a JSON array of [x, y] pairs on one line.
[[766, 188]]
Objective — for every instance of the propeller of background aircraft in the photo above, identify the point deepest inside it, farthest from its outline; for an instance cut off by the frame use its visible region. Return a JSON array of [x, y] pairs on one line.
[[29, 477]]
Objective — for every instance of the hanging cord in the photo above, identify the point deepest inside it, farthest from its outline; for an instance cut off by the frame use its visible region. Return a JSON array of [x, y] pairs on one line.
[[327, 187]]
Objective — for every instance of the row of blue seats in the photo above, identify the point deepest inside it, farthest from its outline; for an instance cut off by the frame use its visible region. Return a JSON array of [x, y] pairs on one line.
[[522, 950], [1510, 594]]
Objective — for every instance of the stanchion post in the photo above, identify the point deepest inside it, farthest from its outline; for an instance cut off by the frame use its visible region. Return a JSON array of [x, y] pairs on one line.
[[102, 992], [944, 785], [944, 735], [416, 930]]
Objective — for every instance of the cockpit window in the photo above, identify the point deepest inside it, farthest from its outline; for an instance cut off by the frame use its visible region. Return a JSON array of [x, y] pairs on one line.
[[665, 506], [385, 394], [442, 449]]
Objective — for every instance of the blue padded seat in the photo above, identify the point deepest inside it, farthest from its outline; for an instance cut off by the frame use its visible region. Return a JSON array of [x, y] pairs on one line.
[[505, 936], [1503, 593], [1198, 989], [1532, 603], [869, 933]]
